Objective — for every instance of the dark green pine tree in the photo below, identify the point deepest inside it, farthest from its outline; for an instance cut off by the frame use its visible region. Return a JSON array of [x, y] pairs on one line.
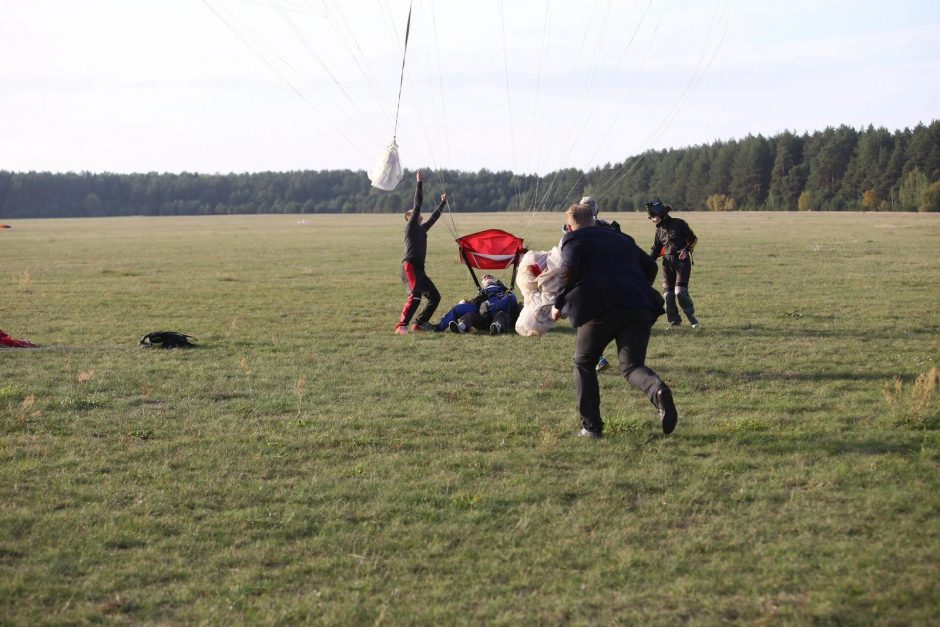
[[786, 178], [721, 171], [828, 155], [862, 177], [890, 178], [750, 173], [923, 152], [697, 189]]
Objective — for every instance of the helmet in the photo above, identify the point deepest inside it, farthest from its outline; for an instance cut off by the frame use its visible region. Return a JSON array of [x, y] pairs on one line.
[[656, 207], [590, 202]]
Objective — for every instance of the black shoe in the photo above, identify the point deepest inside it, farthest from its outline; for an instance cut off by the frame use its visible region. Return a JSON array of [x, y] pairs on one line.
[[496, 328], [591, 435], [668, 416], [454, 326]]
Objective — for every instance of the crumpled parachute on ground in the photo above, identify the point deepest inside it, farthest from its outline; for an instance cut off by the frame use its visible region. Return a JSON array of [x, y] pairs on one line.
[[539, 280]]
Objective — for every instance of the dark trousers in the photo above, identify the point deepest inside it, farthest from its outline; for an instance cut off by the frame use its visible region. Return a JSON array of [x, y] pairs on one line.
[[630, 328], [482, 323], [676, 275], [419, 284]]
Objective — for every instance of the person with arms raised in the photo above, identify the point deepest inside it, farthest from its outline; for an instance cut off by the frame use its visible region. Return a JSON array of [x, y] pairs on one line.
[[413, 274]]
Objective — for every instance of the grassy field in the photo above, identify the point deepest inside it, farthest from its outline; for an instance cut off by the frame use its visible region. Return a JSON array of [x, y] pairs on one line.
[[307, 465]]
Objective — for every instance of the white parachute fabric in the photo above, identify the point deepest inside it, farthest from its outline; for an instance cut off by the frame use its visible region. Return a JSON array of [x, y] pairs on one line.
[[539, 280], [387, 173]]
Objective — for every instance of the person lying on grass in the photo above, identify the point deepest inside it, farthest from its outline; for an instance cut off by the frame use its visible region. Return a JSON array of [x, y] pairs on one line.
[[494, 309]]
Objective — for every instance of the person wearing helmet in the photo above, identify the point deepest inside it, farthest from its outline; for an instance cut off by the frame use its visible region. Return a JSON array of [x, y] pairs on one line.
[[418, 283], [494, 309], [674, 241]]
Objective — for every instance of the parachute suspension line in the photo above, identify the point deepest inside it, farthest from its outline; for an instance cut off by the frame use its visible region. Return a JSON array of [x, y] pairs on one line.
[[546, 27], [521, 188], [630, 89], [439, 116], [616, 118], [583, 91], [538, 91], [431, 159], [450, 208], [670, 117], [520, 192], [512, 131], [585, 112], [245, 39], [285, 16], [548, 198], [402, 79], [405, 142], [699, 70], [553, 188], [350, 35]]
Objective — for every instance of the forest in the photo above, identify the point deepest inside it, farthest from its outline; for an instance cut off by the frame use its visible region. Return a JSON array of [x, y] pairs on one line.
[[837, 169]]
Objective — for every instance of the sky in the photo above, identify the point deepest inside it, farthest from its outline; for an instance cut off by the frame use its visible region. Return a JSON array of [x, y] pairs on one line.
[[218, 86]]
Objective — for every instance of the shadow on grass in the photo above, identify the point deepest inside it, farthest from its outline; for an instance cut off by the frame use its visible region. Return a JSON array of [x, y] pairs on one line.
[[792, 375], [809, 331], [811, 443]]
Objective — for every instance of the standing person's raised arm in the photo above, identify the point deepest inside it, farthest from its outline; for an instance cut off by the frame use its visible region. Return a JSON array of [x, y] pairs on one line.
[[437, 213], [419, 197]]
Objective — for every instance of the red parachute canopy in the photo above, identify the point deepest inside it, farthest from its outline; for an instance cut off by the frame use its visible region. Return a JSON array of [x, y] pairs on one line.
[[492, 249]]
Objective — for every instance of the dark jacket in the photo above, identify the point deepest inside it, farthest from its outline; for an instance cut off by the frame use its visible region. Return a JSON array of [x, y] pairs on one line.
[[604, 271], [672, 236], [416, 232]]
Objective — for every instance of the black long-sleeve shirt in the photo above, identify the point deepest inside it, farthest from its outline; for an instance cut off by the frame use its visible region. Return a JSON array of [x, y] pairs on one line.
[[416, 231], [672, 235]]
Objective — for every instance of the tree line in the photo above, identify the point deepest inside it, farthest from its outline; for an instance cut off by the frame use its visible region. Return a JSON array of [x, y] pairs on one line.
[[838, 169]]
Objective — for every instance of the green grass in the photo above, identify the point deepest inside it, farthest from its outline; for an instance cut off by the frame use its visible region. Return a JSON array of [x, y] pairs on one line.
[[306, 465]]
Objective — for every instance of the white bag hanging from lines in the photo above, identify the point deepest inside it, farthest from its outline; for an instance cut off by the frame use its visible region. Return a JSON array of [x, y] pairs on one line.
[[387, 172]]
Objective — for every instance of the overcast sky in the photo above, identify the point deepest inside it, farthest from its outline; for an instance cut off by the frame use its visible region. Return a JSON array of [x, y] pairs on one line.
[[531, 86]]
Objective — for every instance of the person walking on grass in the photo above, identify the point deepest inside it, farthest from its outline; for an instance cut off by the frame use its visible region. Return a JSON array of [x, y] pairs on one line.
[[607, 294], [418, 283], [674, 241]]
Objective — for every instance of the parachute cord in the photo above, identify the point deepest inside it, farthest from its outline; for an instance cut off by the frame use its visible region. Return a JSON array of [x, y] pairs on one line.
[[440, 87], [671, 115], [512, 132], [699, 70], [623, 105], [616, 118], [285, 16], [350, 35], [281, 76], [402, 79]]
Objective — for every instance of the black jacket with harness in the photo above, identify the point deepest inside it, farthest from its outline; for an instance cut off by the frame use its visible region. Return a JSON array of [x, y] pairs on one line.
[[673, 235]]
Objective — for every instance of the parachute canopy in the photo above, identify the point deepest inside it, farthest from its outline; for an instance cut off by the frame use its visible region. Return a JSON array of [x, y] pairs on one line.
[[492, 249]]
